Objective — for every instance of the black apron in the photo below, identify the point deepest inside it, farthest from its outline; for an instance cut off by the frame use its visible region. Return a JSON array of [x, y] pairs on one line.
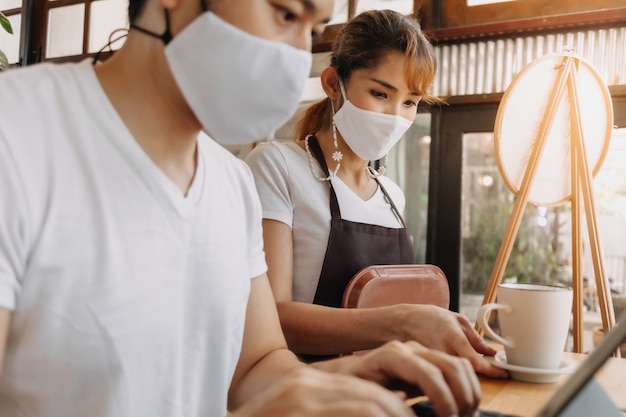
[[353, 246]]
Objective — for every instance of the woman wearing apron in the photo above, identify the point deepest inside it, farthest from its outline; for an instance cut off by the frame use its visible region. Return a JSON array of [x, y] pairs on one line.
[[327, 214]]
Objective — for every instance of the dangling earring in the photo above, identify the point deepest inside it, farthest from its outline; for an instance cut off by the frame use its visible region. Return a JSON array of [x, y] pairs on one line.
[[337, 156]]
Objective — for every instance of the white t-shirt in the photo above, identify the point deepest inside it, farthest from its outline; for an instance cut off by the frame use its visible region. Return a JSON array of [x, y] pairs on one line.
[[292, 195], [128, 299]]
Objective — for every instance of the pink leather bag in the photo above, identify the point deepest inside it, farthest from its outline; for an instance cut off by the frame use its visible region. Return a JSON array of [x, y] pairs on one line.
[[383, 285]]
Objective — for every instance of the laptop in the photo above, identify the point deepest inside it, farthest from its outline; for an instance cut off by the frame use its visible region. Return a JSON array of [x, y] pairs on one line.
[[580, 395]]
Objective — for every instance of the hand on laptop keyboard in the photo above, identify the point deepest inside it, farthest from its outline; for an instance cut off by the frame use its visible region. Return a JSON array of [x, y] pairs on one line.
[[425, 409]]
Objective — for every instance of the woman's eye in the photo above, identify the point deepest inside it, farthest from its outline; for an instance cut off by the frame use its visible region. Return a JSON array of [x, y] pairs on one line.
[[378, 94], [412, 103]]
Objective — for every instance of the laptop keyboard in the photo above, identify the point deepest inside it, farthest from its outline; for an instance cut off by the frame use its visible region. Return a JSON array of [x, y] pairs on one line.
[[425, 409]]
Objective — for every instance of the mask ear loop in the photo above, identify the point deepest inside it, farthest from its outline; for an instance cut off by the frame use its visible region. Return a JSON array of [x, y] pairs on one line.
[[332, 107], [166, 36], [109, 43], [344, 95]]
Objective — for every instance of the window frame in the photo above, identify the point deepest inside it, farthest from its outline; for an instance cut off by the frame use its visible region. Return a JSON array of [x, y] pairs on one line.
[[443, 240], [453, 20], [33, 45]]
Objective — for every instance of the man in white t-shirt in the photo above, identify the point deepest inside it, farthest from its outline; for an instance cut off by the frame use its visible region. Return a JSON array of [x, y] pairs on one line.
[[132, 272]]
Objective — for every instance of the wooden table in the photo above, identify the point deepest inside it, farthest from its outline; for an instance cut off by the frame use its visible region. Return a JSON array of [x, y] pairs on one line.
[[525, 399]]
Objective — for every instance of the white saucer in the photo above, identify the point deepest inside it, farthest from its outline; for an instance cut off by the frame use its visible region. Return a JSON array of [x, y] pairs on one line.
[[536, 375]]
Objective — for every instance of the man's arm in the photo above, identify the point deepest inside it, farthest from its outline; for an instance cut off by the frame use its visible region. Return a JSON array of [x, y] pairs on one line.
[[5, 321], [264, 354], [270, 381]]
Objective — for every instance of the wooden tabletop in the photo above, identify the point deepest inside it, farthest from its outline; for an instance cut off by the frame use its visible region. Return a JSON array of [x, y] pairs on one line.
[[525, 399]]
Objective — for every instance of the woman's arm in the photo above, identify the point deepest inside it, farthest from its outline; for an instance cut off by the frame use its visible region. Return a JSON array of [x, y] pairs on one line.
[[315, 329], [319, 330]]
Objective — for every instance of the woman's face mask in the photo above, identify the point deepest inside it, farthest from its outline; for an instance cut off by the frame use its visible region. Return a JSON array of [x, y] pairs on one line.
[[239, 86], [369, 134]]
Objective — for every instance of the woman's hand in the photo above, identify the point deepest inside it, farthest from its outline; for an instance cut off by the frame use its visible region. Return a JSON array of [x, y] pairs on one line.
[[446, 331]]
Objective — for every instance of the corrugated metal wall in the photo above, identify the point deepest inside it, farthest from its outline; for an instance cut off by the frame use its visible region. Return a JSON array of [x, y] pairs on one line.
[[485, 67]]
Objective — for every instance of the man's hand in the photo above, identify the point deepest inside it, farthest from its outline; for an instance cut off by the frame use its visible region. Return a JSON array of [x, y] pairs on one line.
[[307, 392], [448, 381]]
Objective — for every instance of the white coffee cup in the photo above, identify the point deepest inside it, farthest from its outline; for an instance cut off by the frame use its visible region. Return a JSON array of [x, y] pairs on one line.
[[534, 323]]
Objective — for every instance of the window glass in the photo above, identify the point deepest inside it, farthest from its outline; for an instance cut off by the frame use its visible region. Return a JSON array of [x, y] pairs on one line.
[[542, 251], [610, 199], [408, 165], [10, 4], [106, 17], [10, 44], [340, 13], [402, 6], [65, 31], [481, 2], [312, 91]]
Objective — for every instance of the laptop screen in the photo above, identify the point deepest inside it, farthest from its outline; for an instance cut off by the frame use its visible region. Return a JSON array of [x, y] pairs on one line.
[[583, 377]]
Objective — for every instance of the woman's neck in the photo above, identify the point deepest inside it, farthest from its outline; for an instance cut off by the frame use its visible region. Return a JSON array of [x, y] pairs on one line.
[[353, 171]]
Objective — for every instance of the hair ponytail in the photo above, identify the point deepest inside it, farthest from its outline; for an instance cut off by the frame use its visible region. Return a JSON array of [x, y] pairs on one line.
[[315, 118]]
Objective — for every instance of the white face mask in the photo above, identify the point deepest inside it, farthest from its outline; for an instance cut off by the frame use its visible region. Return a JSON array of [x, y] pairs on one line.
[[369, 134], [241, 87]]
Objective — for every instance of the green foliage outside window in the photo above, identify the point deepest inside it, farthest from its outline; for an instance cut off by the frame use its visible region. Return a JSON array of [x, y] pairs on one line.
[[536, 254], [6, 25]]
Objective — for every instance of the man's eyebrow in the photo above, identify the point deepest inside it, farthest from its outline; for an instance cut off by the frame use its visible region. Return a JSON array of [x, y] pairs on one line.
[[391, 87], [310, 6]]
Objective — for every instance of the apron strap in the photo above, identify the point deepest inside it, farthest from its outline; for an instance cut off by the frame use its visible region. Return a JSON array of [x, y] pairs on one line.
[[334, 204], [394, 209]]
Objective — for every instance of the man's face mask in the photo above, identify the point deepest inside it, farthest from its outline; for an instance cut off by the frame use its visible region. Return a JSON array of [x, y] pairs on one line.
[[239, 86]]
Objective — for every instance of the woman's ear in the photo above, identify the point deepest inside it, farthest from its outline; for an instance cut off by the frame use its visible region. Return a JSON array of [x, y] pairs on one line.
[[330, 83]]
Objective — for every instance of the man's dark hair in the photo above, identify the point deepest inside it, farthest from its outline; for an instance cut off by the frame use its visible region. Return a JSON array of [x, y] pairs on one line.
[[134, 9]]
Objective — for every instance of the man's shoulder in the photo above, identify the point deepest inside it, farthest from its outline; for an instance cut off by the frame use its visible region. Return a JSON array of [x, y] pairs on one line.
[[37, 86], [36, 75]]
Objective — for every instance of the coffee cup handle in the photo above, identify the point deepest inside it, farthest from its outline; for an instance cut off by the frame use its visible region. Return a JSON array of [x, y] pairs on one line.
[[481, 318]]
